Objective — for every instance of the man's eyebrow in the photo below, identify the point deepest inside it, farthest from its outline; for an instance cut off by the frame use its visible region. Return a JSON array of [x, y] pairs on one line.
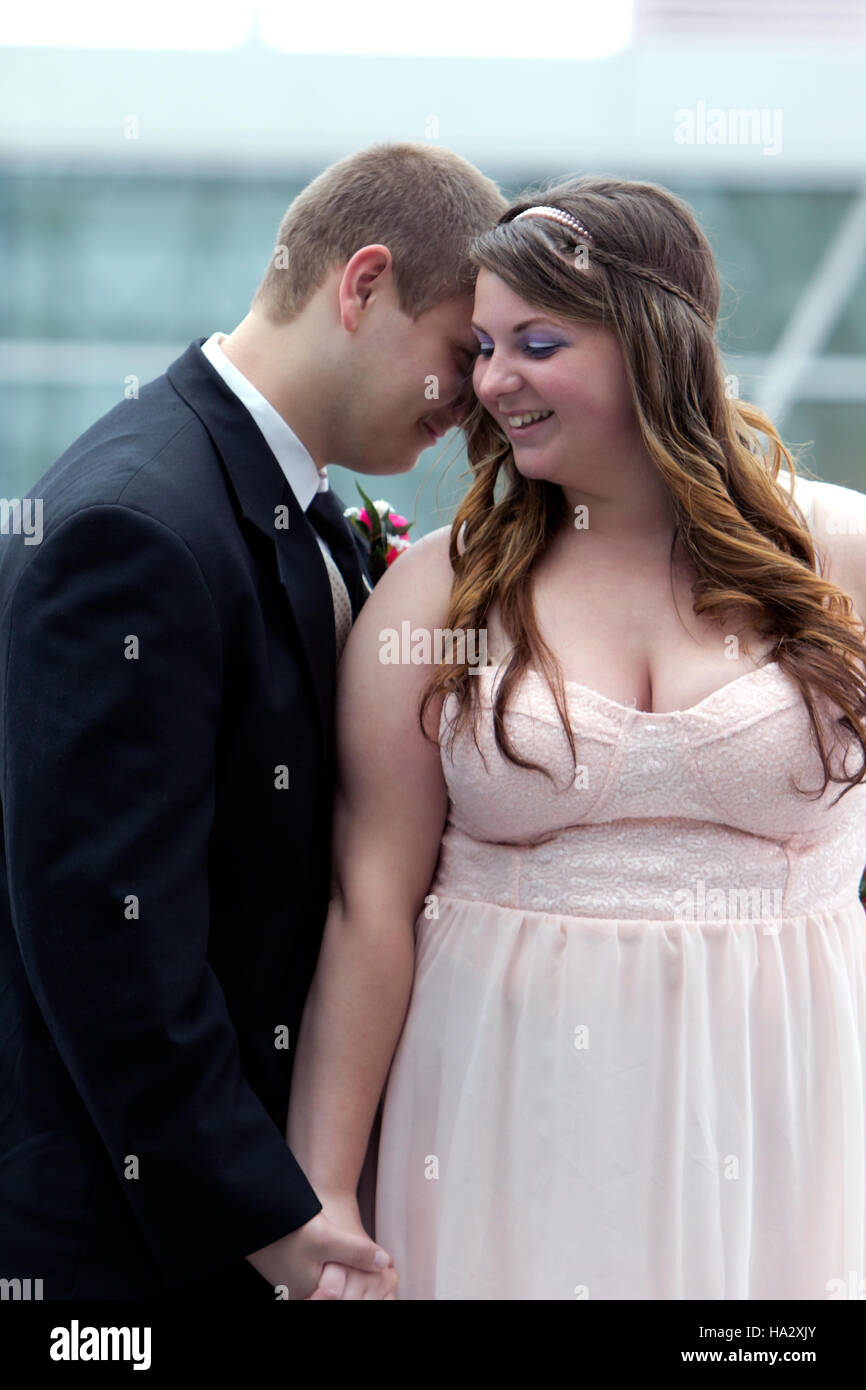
[[518, 327]]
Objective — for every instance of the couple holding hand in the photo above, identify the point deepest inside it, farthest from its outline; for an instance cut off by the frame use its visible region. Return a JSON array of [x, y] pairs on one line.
[[332, 977]]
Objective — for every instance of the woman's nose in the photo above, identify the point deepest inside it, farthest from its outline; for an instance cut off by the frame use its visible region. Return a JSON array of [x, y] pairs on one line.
[[498, 380]]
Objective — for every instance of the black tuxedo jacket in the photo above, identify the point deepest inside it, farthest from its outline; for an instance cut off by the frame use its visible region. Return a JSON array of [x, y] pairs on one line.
[[167, 672]]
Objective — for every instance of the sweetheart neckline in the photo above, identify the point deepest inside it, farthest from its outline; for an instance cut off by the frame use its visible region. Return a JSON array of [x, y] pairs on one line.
[[646, 713]]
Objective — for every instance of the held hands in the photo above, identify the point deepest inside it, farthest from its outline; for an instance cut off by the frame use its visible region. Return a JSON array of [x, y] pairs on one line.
[[329, 1257], [340, 1281]]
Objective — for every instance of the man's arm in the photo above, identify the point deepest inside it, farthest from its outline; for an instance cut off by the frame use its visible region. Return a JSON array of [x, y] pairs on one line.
[[110, 662]]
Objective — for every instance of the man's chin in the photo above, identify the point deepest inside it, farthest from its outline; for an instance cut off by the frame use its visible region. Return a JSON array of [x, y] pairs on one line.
[[388, 468], [378, 463]]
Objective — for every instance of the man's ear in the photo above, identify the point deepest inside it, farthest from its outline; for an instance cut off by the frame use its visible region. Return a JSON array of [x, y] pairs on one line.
[[364, 276]]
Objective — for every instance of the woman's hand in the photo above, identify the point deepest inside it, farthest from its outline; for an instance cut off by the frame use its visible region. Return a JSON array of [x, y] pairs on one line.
[[340, 1281]]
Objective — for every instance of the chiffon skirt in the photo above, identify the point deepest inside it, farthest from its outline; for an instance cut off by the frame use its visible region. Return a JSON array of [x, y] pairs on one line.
[[625, 1109]]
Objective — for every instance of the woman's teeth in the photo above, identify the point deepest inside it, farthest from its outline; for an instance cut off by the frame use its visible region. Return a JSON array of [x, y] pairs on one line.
[[517, 421]]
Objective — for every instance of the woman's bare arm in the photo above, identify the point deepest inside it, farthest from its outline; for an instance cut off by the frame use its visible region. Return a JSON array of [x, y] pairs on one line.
[[390, 810]]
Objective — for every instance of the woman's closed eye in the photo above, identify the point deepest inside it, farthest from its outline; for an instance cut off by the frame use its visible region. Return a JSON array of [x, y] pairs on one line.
[[533, 349]]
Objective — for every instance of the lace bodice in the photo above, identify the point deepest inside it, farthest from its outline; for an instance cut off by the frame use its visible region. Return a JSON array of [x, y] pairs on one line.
[[667, 810]]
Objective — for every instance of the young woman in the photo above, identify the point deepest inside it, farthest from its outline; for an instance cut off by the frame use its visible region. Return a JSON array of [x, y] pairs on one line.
[[595, 913]]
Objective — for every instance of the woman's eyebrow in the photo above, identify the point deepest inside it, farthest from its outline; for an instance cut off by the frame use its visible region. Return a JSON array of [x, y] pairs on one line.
[[518, 327]]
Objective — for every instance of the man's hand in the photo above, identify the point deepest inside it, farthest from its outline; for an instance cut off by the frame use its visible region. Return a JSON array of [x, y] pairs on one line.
[[336, 1280], [299, 1260]]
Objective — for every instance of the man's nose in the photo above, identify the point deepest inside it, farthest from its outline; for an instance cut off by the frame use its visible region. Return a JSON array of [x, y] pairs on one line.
[[463, 402], [461, 408]]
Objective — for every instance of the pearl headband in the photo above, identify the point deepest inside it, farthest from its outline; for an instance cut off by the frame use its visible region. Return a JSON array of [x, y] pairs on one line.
[[610, 258]]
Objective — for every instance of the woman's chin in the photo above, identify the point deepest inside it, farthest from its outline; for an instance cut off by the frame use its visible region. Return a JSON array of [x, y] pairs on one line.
[[531, 464]]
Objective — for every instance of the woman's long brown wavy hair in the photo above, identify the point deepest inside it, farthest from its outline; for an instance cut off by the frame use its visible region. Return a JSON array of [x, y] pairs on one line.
[[746, 540]]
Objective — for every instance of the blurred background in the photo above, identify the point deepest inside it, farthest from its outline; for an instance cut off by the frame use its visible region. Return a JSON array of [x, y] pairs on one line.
[[147, 155]]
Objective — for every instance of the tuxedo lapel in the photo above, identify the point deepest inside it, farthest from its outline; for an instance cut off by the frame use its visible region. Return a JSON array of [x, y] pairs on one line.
[[267, 500]]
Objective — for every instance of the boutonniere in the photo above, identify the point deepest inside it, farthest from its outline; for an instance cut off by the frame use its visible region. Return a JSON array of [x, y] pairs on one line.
[[385, 530]]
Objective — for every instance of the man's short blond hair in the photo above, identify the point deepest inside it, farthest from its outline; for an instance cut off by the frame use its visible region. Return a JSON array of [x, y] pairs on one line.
[[423, 202]]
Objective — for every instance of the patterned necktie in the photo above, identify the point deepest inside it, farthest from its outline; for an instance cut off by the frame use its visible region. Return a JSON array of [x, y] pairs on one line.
[[326, 516]]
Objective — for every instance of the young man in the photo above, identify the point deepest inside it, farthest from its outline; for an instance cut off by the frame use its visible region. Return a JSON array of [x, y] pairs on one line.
[[168, 655]]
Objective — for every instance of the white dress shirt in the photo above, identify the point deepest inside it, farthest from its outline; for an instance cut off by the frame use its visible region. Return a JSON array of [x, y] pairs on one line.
[[303, 476]]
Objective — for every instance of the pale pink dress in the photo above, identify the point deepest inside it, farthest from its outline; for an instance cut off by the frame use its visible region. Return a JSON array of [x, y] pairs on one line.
[[634, 1060], [633, 1063]]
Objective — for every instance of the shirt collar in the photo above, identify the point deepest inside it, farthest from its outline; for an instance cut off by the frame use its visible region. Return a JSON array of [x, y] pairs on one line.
[[303, 476]]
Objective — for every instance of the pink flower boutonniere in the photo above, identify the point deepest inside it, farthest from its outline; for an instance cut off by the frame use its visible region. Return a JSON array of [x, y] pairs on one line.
[[385, 529]]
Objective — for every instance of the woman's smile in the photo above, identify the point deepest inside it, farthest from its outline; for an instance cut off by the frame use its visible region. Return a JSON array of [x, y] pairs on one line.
[[527, 424]]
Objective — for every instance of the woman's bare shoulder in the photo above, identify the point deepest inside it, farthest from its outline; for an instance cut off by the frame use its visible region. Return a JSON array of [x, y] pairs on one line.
[[412, 595], [421, 576], [836, 516]]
